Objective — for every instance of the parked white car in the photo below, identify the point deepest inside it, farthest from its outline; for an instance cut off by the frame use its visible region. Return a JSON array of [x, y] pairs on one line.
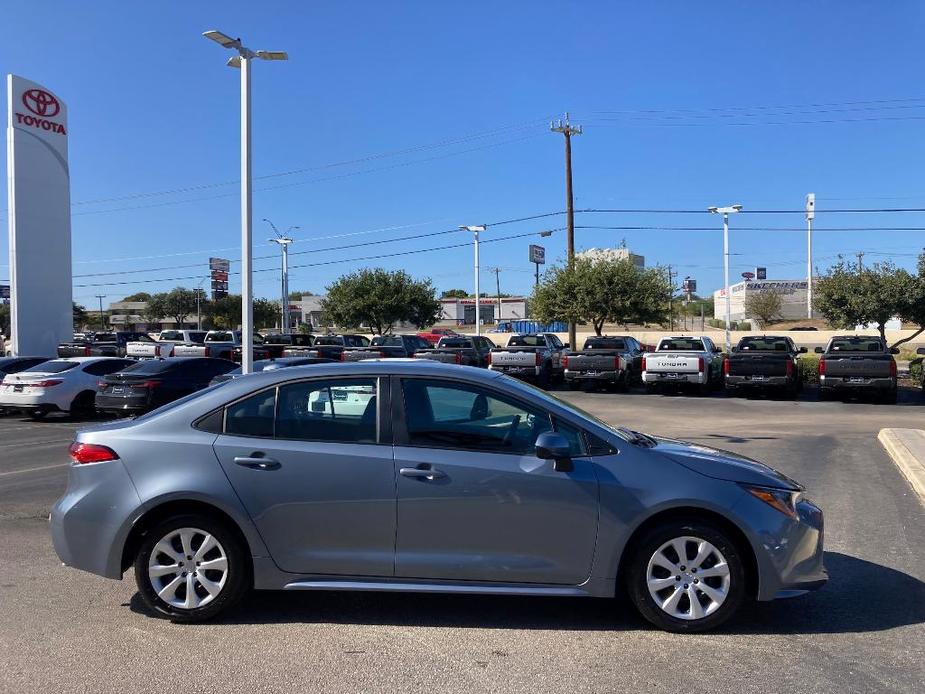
[[59, 385], [684, 360]]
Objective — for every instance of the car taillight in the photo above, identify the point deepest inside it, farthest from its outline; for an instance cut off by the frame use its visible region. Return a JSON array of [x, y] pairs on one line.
[[700, 364], [616, 363], [457, 358], [643, 365], [539, 359], [207, 352], [382, 354], [87, 351], [45, 384], [725, 367], [789, 368], [892, 368], [343, 356], [101, 384], [822, 367], [83, 453], [171, 352], [152, 384], [564, 362], [488, 359]]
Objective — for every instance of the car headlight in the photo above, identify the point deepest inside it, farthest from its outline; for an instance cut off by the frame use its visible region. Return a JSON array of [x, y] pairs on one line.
[[783, 500]]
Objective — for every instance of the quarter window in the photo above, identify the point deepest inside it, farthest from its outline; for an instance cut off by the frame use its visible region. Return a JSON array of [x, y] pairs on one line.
[[252, 416], [342, 410], [442, 414]]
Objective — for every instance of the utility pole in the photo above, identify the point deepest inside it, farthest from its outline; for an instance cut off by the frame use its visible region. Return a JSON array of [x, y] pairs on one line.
[[810, 215], [283, 242], [101, 297], [670, 298], [567, 129], [860, 255], [476, 230], [497, 272], [726, 211]]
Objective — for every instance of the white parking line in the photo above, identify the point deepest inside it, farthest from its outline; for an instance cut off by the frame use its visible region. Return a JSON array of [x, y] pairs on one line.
[[34, 444], [33, 469]]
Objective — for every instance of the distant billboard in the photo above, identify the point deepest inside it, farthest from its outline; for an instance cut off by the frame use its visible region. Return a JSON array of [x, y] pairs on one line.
[[219, 264], [689, 286], [218, 273], [761, 273], [537, 254]]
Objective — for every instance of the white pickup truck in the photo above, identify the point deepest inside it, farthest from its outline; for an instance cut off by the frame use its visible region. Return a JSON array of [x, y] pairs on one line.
[[222, 344], [164, 346], [682, 360]]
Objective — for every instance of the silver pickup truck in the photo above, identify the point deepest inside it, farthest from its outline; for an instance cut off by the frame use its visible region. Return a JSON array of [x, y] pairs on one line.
[[604, 361], [681, 360], [536, 358], [163, 347], [856, 365]]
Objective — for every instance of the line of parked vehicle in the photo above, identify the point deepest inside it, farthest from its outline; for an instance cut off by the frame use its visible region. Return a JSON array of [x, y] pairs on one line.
[[125, 375]]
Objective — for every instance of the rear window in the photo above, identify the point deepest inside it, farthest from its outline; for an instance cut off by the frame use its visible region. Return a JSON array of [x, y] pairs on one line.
[[526, 341], [681, 344], [763, 344], [386, 341], [220, 337], [152, 367], [55, 366], [605, 344], [168, 335], [329, 341], [857, 344], [455, 342]]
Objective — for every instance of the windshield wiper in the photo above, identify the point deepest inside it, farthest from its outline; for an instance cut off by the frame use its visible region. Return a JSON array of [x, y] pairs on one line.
[[636, 438]]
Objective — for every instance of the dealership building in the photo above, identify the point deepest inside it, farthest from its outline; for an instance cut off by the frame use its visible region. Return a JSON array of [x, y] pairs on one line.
[[793, 295], [462, 311]]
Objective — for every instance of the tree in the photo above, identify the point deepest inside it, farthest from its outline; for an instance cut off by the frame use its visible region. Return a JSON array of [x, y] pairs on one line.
[[296, 296], [378, 299], [178, 304], [266, 313], [5, 320], [765, 305], [225, 312], [138, 296], [598, 291], [80, 316], [847, 296], [454, 294]]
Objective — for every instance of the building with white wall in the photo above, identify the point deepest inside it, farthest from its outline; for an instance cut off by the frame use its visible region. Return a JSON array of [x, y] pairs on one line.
[[793, 295]]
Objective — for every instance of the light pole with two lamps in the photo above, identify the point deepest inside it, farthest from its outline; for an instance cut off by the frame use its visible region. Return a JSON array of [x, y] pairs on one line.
[[283, 242], [242, 60]]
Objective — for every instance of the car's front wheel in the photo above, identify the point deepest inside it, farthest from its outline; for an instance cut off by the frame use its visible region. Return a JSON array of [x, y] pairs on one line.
[[189, 568], [686, 577]]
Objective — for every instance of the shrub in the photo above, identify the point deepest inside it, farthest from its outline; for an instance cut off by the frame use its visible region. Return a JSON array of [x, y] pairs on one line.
[[915, 370], [809, 367]]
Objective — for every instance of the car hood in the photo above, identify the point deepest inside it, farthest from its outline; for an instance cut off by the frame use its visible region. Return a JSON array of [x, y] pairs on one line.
[[723, 465]]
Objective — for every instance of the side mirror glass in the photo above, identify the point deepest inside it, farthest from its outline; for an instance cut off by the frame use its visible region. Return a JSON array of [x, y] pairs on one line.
[[735, 349], [894, 350], [802, 350], [567, 345], [819, 350], [920, 350], [553, 446]]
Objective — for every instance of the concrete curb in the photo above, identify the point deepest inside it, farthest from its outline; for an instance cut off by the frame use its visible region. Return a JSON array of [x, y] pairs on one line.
[[907, 449]]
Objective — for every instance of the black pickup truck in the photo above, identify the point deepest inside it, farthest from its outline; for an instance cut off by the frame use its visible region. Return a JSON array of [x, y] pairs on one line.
[[328, 346], [276, 344], [462, 350], [605, 361], [387, 347], [764, 363], [857, 365], [101, 345]]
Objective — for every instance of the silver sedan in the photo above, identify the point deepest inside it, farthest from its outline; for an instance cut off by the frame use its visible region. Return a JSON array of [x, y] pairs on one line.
[[416, 476]]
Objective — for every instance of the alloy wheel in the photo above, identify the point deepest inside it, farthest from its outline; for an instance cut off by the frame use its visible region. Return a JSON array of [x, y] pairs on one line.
[[188, 568], [688, 578]]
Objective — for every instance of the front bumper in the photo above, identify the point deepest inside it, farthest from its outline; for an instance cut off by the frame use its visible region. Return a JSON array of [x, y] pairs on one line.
[[670, 378], [90, 523], [845, 383]]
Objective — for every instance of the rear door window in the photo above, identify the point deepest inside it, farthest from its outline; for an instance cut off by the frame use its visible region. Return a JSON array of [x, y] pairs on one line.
[[339, 410]]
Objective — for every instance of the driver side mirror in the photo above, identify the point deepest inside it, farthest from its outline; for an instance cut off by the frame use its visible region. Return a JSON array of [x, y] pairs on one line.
[[802, 350], [819, 350], [894, 350], [553, 446], [920, 350]]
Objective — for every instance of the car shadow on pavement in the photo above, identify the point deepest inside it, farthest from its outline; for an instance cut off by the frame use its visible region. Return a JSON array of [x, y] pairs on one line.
[[861, 596]]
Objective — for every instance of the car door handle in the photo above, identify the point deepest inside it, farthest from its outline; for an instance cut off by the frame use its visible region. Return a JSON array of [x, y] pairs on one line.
[[421, 473], [257, 462]]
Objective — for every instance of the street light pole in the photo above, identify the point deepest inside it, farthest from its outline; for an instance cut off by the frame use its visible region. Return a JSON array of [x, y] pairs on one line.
[[810, 215], [476, 230], [242, 61], [283, 242], [726, 211], [102, 325]]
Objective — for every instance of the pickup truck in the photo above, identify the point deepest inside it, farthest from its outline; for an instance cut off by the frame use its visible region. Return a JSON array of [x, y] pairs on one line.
[[434, 335], [102, 345], [536, 358], [682, 360], [607, 361], [277, 344], [328, 346], [760, 363], [162, 348], [857, 364], [462, 350], [387, 347], [222, 344]]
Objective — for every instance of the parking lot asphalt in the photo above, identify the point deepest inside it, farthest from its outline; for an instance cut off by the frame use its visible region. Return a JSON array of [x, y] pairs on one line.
[[65, 631]]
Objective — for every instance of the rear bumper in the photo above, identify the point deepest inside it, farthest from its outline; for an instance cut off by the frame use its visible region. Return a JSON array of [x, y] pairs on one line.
[[607, 376], [843, 383], [751, 382], [136, 403], [662, 377], [525, 372], [27, 401]]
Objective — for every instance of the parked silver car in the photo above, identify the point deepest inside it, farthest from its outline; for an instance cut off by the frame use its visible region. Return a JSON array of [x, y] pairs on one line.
[[416, 476]]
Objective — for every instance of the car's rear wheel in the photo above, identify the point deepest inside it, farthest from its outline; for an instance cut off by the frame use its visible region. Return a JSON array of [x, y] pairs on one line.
[[686, 577], [190, 568], [84, 405]]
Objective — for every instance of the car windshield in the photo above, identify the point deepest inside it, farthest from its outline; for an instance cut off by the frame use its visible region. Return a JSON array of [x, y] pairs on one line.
[[857, 344], [55, 366], [681, 344], [763, 344], [526, 341]]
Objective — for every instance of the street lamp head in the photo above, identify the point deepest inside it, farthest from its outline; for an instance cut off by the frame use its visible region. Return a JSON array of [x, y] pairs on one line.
[[713, 210], [546, 233], [725, 210], [224, 40], [272, 55], [234, 61], [477, 227]]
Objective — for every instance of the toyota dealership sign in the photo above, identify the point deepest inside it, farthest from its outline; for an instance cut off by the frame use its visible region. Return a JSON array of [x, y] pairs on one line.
[[39, 218]]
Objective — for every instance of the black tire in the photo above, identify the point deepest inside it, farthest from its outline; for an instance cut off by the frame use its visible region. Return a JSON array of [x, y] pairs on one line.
[[38, 414], [636, 576], [732, 391], [544, 380], [84, 405], [237, 581], [890, 397], [824, 395], [651, 388]]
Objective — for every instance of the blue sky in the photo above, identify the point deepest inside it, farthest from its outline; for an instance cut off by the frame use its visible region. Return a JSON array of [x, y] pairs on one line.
[[409, 118]]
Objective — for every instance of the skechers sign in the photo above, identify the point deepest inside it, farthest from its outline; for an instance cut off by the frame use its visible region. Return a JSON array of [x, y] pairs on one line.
[[43, 106]]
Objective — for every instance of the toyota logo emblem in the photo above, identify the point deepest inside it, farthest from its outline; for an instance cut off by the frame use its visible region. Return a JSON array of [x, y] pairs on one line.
[[41, 103]]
